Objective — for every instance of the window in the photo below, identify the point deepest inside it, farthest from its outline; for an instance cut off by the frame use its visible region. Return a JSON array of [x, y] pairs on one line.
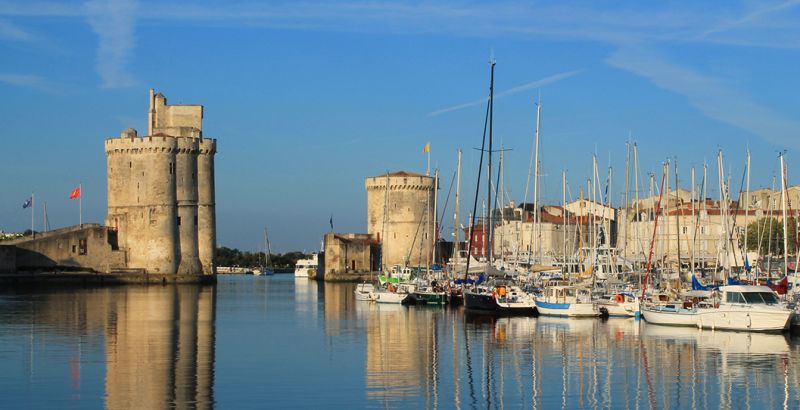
[[195, 220], [82, 246], [684, 230], [703, 230], [74, 248], [179, 221], [735, 297], [760, 297]]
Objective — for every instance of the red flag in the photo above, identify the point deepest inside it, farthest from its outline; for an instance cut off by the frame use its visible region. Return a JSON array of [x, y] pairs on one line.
[[76, 193]]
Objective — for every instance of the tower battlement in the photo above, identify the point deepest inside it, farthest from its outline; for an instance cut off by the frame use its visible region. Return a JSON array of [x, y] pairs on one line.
[[401, 218], [161, 191]]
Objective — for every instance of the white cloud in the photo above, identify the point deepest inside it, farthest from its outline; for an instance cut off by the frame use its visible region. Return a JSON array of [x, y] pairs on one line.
[[513, 90], [23, 80], [113, 21], [13, 32], [709, 95]]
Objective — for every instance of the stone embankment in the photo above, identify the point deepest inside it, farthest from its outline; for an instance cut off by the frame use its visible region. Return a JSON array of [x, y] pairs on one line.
[[101, 279]]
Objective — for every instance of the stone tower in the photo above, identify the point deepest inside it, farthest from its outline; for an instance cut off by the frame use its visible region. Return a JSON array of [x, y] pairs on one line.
[[407, 231], [161, 191]]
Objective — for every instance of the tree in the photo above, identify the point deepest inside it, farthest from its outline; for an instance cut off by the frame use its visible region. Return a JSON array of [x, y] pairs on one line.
[[235, 257], [765, 236]]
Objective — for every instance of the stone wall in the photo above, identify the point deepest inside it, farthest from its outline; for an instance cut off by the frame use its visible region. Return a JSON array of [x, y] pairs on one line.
[[161, 191], [349, 253], [8, 259], [407, 230], [90, 247]]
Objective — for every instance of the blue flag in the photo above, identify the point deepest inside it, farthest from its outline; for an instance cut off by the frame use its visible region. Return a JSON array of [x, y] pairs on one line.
[[746, 264], [28, 202]]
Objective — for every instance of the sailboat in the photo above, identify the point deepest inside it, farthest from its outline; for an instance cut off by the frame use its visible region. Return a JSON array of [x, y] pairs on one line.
[[267, 268], [496, 296]]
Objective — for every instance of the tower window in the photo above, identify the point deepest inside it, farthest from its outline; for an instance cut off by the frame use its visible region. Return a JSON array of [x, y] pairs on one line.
[[179, 221], [195, 220]]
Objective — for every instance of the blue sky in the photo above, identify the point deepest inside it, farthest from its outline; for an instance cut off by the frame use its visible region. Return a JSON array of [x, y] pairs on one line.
[[308, 98]]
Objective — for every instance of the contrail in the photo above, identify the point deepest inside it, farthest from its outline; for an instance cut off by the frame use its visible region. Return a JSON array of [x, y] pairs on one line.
[[535, 84]]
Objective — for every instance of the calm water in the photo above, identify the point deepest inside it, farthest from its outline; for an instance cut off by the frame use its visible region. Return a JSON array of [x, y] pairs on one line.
[[278, 342]]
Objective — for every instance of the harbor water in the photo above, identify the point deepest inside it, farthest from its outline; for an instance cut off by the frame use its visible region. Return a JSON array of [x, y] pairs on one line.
[[281, 342]]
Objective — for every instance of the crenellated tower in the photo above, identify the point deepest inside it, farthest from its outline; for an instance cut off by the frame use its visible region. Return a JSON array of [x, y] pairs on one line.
[[405, 229], [161, 191]]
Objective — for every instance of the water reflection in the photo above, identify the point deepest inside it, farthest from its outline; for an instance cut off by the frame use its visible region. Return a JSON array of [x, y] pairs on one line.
[[157, 345], [160, 348], [284, 343]]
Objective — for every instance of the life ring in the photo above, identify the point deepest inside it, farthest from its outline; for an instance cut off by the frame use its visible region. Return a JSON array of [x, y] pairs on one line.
[[619, 298], [501, 290]]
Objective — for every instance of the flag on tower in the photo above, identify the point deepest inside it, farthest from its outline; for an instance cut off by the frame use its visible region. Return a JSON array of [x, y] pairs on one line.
[[426, 148], [76, 193], [28, 202]]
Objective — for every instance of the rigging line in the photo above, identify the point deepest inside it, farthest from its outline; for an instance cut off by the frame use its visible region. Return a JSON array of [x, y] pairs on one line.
[[477, 189], [444, 209]]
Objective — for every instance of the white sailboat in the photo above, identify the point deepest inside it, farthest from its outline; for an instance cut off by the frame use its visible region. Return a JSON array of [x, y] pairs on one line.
[[267, 268]]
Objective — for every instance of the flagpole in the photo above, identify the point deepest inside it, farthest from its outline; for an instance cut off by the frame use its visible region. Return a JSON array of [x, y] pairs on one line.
[[80, 204], [428, 172], [33, 202]]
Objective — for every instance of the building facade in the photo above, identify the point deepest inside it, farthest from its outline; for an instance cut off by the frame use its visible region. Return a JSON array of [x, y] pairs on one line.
[[400, 216], [161, 191]]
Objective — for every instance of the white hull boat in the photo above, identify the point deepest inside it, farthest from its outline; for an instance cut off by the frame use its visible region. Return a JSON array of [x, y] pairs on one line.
[[620, 305], [670, 315], [566, 301], [747, 308], [365, 292], [385, 296], [306, 268]]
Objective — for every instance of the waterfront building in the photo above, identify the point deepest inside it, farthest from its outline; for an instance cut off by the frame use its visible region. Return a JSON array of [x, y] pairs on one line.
[[161, 191], [161, 206], [400, 216]]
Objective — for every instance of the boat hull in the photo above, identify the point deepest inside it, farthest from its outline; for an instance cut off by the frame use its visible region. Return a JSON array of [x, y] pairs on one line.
[[678, 317], [625, 309], [390, 297], [486, 303], [748, 320], [567, 309], [365, 292], [432, 298]]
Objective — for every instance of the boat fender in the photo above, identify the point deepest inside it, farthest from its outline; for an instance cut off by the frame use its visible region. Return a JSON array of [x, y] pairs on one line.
[[619, 298]]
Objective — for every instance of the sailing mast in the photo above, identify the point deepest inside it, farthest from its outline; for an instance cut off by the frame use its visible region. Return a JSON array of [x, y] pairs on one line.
[[694, 227], [435, 227], [487, 124], [536, 221], [626, 224], [564, 213], [783, 206], [655, 227], [678, 218], [489, 176], [746, 213], [457, 243]]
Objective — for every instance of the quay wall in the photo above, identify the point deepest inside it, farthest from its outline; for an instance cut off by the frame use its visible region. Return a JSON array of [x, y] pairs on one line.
[[90, 246]]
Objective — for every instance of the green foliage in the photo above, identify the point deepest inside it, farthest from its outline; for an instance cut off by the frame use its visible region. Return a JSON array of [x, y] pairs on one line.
[[766, 236], [234, 257]]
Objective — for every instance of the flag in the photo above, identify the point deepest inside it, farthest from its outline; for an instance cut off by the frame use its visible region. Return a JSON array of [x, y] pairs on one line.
[[331, 222], [28, 202], [426, 148], [746, 264], [76, 193]]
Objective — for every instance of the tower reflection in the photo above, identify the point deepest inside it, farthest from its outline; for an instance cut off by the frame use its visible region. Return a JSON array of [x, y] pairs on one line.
[[160, 348]]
